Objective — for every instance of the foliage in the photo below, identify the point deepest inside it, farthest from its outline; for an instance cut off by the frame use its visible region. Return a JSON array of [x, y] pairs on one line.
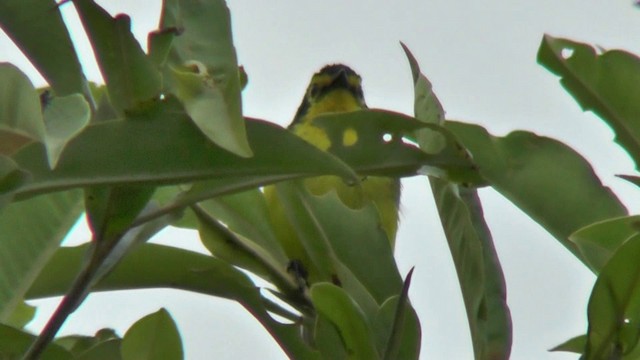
[[164, 142]]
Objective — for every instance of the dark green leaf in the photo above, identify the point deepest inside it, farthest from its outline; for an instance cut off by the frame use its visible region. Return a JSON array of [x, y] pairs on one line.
[[36, 26], [14, 342], [206, 43], [22, 314], [11, 178], [30, 232], [335, 304], [597, 242], [576, 345], [20, 112], [164, 147], [159, 43], [106, 350], [155, 336], [246, 239], [131, 78], [408, 336], [549, 181], [606, 83], [397, 316], [64, 118], [479, 272], [614, 305]]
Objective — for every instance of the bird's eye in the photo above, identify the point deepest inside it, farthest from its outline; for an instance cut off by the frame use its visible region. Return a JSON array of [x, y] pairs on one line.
[[314, 91]]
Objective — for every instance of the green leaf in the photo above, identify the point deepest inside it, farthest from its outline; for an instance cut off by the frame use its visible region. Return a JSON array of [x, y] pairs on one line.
[[213, 98], [606, 83], [377, 156], [106, 350], [309, 243], [598, 241], [479, 272], [614, 305], [397, 324], [22, 314], [252, 245], [11, 178], [470, 243], [36, 26], [145, 150], [335, 304], [575, 345], [426, 106], [155, 336], [111, 210], [79, 344], [20, 111], [30, 232], [409, 335], [14, 342], [159, 44], [549, 181], [64, 118], [157, 266], [131, 78]]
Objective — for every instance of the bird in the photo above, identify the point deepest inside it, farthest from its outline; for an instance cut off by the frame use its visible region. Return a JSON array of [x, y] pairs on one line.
[[336, 88]]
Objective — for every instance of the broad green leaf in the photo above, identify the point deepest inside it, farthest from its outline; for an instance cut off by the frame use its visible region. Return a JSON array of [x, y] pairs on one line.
[[213, 98], [334, 303], [111, 210], [479, 272], [308, 243], [20, 111], [607, 83], [327, 339], [614, 305], [403, 339], [426, 106], [155, 336], [162, 146], [22, 314], [81, 344], [358, 242], [598, 241], [408, 336], [246, 239], [474, 256], [14, 342], [549, 181], [575, 345], [107, 350], [159, 44], [36, 26], [366, 130], [64, 118], [157, 266], [131, 78], [30, 232], [11, 178]]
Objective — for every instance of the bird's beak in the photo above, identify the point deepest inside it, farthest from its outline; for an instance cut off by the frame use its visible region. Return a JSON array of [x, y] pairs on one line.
[[340, 79]]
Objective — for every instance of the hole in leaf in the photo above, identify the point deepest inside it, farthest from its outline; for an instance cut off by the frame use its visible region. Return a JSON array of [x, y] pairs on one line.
[[387, 137], [566, 53]]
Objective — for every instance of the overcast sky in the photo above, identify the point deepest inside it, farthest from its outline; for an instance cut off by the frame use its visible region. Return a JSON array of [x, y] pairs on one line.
[[480, 57]]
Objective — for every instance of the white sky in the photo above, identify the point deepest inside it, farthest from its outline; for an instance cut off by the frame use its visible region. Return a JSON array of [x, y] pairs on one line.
[[480, 57]]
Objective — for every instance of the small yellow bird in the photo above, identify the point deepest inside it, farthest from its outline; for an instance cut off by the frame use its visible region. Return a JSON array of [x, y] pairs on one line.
[[334, 89]]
